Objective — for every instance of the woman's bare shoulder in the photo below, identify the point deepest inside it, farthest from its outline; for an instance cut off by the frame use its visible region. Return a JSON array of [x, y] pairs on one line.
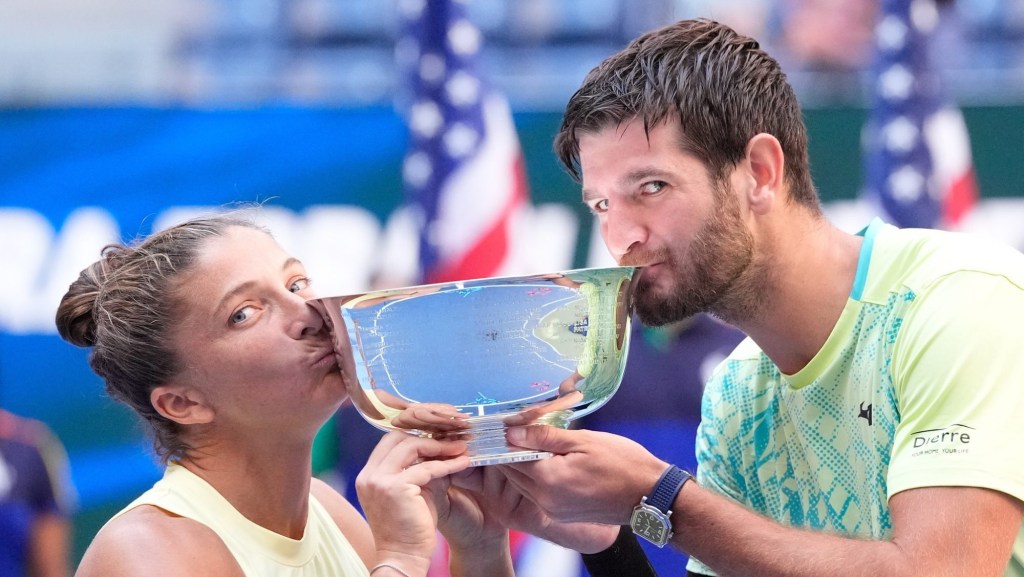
[[151, 541]]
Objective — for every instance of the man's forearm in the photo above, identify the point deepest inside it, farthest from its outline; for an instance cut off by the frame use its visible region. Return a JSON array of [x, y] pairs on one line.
[[733, 540], [939, 527]]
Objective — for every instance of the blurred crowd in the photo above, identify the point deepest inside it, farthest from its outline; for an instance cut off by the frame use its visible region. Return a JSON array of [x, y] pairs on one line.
[[341, 52]]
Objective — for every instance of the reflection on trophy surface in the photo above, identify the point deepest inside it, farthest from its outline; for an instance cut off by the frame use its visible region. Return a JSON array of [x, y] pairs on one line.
[[473, 357]]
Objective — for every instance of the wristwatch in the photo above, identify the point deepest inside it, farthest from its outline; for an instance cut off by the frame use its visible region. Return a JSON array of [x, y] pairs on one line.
[[650, 518]]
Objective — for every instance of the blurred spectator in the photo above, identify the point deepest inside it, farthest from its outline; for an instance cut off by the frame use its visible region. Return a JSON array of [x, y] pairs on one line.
[[658, 402], [36, 500], [827, 34], [750, 17]]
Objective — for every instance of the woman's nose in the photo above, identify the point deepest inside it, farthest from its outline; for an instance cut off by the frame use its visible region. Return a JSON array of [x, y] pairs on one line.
[[306, 318]]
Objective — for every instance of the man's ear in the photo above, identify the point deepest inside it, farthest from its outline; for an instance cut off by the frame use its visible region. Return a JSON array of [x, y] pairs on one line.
[[182, 404], [766, 161]]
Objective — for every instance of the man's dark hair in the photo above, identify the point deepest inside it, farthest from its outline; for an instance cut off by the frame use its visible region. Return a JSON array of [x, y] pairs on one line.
[[720, 86]]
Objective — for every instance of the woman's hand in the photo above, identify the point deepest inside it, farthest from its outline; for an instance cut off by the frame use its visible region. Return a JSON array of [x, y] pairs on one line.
[[468, 518], [398, 488], [478, 542]]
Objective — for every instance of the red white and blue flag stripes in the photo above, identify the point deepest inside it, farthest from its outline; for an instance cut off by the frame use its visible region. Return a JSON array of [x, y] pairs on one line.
[[464, 167]]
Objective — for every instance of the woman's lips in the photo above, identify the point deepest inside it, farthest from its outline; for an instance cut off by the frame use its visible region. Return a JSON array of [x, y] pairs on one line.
[[327, 359]]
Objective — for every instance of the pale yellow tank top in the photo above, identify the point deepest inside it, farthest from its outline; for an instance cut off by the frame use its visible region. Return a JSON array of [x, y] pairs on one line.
[[322, 552]]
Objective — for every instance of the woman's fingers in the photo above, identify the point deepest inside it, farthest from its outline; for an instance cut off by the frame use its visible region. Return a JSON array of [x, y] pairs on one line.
[[417, 460]]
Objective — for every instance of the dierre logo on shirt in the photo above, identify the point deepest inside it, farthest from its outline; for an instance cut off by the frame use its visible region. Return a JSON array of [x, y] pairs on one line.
[[955, 438]]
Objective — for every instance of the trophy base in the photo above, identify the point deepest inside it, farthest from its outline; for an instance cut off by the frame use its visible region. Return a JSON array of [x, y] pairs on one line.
[[507, 458], [487, 444]]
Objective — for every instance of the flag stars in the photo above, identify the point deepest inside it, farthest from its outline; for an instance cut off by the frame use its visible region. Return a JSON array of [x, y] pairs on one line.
[[432, 68], [907, 184], [908, 162], [900, 135], [463, 89], [425, 118], [891, 34], [416, 169], [464, 38], [460, 140], [924, 15], [411, 9], [896, 83]]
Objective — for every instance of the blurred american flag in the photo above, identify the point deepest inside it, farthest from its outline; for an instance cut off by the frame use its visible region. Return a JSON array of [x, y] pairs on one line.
[[464, 168], [917, 150], [464, 172]]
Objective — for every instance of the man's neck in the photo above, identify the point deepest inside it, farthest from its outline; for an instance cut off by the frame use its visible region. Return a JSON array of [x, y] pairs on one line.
[[814, 265]]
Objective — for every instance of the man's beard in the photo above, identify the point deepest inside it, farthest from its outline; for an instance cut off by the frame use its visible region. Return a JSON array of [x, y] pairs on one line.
[[718, 277]]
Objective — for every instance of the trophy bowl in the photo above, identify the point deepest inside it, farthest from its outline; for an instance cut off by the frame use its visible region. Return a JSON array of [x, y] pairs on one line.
[[539, 349]]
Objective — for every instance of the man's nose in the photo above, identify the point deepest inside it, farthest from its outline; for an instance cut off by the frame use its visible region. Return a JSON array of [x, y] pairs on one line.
[[623, 229]]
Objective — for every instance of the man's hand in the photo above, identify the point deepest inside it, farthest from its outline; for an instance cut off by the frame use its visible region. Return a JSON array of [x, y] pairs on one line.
[[499, 504], [592, 477]]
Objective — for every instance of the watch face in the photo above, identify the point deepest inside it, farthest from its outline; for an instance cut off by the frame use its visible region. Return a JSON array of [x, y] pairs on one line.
[[649, 526]]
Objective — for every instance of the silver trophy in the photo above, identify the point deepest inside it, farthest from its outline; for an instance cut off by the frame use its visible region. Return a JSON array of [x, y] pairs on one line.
[[506, 351]]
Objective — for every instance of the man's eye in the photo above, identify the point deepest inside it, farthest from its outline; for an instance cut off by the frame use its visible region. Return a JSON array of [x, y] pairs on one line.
[[599, 206], [300, 284], [653, 187], [241, 315]]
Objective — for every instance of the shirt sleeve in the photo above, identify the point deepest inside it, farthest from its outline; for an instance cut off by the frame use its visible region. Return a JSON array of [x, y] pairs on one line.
[[958, 370]]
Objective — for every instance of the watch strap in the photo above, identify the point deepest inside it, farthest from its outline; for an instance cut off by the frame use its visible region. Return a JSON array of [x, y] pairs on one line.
[[668, 486]]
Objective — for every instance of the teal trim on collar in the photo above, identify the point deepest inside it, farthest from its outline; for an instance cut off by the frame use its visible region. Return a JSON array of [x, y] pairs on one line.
[[864, 260]]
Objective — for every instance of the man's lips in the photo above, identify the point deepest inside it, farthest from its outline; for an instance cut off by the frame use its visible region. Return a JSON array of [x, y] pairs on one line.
[[653, 268], [645, 258]]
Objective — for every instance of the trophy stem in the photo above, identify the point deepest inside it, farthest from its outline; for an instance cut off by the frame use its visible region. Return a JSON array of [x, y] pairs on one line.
[[487, 444]]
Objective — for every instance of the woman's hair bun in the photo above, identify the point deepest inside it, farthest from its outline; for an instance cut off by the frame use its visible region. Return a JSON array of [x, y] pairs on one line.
[[75, 318]]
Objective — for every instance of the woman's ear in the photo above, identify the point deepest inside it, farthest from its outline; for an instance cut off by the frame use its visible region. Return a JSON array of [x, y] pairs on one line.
[[766, 161], [182, 404]]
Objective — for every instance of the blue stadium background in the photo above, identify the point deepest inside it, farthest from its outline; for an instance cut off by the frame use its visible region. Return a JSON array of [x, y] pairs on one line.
[[293, 104]]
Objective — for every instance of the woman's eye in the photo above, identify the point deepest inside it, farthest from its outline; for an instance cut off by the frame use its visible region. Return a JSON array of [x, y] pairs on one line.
[[300, 284], [241, 315]]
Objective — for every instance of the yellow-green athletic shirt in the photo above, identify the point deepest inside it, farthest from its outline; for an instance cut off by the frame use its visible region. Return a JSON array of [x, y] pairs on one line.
[[920, 384], [323, 551]]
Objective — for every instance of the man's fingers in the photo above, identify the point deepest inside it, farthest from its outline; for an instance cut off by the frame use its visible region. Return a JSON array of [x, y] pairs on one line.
[[543, 438]]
